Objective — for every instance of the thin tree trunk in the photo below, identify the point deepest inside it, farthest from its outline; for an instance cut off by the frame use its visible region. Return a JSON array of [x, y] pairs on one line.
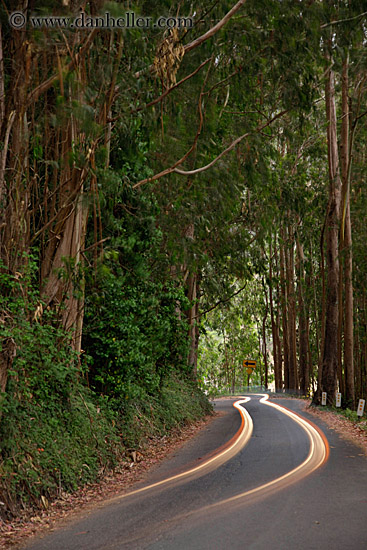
[[192, 296], [292, 338], [330, 355], [259, 353], [349, 328], [317, 396], [283, 287], [2, 84], [311, 283], [276, 350], [346, 243], [15, 183], [265, 353], [304, 374], [277, 322]]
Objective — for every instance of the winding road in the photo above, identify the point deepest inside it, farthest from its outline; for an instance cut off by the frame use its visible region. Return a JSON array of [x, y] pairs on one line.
[[261, 475]]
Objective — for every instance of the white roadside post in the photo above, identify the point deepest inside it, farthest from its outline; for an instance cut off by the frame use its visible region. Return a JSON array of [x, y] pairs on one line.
[[361, 404], [323, 398], [338, 399]]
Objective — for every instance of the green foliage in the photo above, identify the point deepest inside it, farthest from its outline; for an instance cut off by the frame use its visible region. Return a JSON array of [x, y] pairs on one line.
[[179, 402], [133, 335], [353, 417], [53, 435], [230, 335], [56, 444]]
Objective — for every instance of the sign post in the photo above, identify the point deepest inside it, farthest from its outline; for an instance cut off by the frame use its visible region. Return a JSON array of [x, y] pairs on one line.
[[250, 366], [323, 398], [361, 404], [338, 399]]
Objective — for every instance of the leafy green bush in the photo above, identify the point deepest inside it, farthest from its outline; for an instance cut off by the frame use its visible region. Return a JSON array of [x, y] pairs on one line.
[[54, 435], [133, 337], [135, 332], [178, 403]]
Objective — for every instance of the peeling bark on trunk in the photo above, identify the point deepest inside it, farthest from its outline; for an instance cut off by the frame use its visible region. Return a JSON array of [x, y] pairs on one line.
[[330, 355], [15, 182], [346, 243], [60, 269]]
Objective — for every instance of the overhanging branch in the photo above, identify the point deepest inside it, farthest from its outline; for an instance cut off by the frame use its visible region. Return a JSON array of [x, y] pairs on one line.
[[222, 301], [229, 148], [193, 146], [162, 96], [211, 32], [207, 166]]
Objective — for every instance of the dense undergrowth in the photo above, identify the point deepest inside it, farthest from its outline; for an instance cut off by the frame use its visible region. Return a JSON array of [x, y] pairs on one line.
[[58, 437], [66, 419]]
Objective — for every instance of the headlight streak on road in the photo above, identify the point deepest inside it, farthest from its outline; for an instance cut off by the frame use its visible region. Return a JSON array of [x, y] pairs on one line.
[[230, 449], [317, 456]]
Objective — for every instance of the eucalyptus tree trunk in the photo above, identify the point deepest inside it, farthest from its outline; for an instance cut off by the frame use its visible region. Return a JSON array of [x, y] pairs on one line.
[[68, 290], [283, 289], [15, 183], [277, 323], [330, 352], [291, 309], [192, 314], [346, 241], [361, 347], [233, 355], [280, 386], [264, 346], [348, 327], [274, 329], [304, 372], [321, 339], [192, 321], [311, 284]]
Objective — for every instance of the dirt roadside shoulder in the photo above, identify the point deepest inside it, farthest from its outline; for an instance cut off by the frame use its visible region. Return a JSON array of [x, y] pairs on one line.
[[354, 432]]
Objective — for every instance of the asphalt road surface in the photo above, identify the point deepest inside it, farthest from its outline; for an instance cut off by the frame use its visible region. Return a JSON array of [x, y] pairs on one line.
[[259, 478]]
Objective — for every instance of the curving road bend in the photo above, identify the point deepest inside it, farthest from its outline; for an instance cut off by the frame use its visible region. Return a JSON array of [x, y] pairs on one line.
[[258, 476]]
